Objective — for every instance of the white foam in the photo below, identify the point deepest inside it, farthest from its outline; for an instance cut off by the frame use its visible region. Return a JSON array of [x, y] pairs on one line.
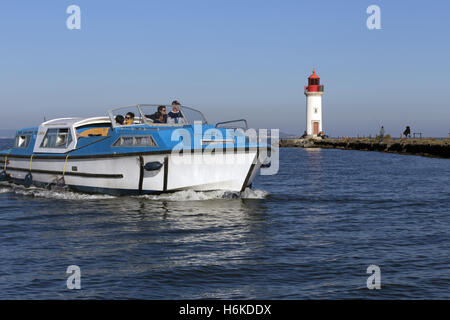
[[254, 194], [58, 194], [191, 195], [5, 190], [185, 195]]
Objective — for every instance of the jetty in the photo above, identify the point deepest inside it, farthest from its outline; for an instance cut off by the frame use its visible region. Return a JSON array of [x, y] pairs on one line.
[[429, 147]]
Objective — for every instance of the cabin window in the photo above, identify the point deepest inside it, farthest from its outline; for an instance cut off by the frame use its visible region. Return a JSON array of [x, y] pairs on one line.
[[57, 138], [94, 132], [22, 141], [135, 141]]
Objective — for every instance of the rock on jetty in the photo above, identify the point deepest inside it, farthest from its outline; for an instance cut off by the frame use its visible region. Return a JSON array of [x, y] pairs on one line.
[[422, 147]]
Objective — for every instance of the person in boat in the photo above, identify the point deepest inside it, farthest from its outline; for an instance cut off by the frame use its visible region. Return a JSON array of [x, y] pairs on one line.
[[175, 115], [163, 116], [129, 118], [159, 116], [120, 119]]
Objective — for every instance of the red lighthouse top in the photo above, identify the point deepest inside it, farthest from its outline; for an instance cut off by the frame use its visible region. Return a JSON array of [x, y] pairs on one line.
[[314, 83], [314, 75]]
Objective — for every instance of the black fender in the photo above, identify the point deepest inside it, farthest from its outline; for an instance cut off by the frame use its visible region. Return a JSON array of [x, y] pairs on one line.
[[3, 176], [28, 180], [60, 182]]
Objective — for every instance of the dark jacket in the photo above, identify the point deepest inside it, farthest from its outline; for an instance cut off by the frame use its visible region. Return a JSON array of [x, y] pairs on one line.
[[407, 131], [156, 116]]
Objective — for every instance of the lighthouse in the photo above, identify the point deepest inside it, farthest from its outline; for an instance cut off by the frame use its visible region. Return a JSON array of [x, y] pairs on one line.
[[313, 92]]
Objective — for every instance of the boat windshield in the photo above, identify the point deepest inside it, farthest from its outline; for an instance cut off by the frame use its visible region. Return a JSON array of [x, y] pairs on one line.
[[126, 116], [193, 115], [155, 115]]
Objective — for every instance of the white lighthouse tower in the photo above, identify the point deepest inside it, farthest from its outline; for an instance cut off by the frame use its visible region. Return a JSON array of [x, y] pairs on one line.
[[313, 92]]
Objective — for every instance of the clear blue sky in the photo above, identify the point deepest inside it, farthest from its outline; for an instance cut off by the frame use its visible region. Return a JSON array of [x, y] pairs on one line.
[[231, 59]]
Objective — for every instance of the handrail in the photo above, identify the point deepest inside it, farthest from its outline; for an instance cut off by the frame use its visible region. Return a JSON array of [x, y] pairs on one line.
[[315, 88]]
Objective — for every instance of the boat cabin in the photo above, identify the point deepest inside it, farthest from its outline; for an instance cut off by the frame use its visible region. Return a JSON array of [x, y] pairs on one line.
[[63, 135]]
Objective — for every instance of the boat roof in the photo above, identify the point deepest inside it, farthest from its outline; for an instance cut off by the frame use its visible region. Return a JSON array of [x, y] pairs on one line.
[[75, 122]]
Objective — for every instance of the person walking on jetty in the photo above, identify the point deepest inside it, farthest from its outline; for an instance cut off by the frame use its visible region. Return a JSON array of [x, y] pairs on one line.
[[407, 132], [382, 133]]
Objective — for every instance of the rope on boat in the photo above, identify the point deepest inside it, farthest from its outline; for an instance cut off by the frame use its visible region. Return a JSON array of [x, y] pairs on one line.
[[65, 166], [28, 181], [31, 162]]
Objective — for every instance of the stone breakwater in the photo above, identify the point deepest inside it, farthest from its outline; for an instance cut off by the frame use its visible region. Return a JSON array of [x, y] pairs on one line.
[[421, 147]]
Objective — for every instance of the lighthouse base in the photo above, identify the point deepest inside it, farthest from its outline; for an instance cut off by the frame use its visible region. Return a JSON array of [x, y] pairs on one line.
[[311, 137]]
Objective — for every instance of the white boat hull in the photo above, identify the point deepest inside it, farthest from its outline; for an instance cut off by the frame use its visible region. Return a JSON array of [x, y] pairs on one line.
[[233, 171]]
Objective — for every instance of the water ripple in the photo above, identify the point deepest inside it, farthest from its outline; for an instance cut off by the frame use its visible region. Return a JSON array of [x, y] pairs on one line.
[[309, 232]]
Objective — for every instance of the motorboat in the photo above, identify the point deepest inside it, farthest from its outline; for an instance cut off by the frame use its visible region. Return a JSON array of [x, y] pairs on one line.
[[130, 152]]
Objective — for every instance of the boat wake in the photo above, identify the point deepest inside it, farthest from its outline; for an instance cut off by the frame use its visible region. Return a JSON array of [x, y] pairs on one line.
[[186, 195], [55, 193], [5, 190], [191, 195]]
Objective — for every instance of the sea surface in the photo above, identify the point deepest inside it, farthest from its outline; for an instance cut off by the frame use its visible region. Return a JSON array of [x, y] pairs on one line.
[[309, 232]]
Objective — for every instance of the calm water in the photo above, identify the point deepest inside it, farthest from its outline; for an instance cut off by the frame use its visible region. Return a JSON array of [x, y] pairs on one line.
[[309, 232]]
